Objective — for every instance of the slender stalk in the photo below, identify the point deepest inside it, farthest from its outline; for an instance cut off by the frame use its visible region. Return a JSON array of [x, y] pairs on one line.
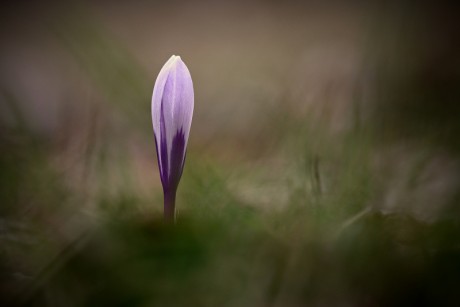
[[170, 206]]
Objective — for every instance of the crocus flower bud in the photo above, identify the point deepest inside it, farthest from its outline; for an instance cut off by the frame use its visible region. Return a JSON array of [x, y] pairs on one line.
[[172, 111]]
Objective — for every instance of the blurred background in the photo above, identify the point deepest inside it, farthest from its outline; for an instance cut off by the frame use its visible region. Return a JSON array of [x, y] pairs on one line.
[[323, 165]]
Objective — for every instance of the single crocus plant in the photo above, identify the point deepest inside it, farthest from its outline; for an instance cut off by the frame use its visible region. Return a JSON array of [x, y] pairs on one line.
[[172, 111]]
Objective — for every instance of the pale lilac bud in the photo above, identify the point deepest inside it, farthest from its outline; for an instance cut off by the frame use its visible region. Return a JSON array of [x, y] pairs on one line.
[[172, 111]]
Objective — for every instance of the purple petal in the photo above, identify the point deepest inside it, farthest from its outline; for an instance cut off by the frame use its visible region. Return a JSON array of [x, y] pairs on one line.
[[163, 149], [177, 159], [172, 111]]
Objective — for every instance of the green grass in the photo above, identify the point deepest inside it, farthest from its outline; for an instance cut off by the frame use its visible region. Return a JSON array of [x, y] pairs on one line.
[[325, 246]]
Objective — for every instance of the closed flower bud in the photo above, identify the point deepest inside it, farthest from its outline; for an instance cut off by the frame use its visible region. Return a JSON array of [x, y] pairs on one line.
[[172, 111]]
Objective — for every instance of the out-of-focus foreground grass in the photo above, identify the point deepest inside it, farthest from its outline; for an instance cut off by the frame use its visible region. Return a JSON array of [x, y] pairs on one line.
[[323, 165]]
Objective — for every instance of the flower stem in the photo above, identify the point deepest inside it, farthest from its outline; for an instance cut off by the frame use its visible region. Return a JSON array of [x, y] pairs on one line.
[[170, 206]]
